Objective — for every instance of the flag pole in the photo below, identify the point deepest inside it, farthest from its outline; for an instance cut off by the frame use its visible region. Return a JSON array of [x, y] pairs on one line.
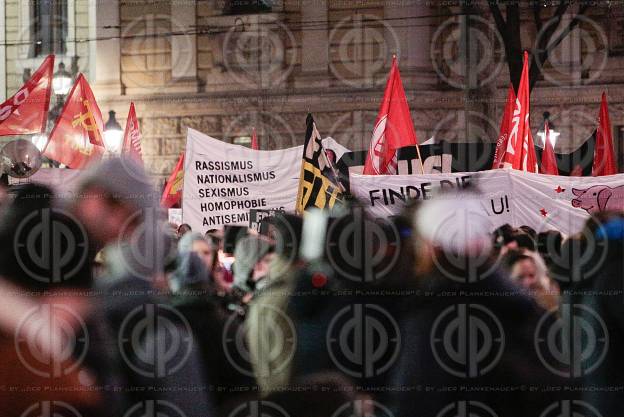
[[422, 168], [422, 163]]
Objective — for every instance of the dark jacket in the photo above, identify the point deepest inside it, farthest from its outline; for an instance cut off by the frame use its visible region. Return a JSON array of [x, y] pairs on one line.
[[596, 310], [469, 342]]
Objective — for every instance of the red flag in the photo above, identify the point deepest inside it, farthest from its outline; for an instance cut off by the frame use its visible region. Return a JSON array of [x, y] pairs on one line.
[[76, 139], [254, 140], [394, 128], [503, 137], [577, 171], [549, 162], [27, 111], [604, 161], [520, 151], [172, 195], [132, 137]]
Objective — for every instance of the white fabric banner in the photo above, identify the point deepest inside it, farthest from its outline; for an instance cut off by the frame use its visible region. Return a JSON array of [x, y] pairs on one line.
[[519, 198], [222, 181]]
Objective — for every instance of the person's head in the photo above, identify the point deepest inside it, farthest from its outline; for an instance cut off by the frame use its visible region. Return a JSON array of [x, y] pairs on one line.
[[285, 230], [449, 235], [111, 199], [523, 241], [190, 274], [549, 245], [216, 236], [202, 247], [252, 257], [183, 229], [502, 239], [529, 231], [528, 270]]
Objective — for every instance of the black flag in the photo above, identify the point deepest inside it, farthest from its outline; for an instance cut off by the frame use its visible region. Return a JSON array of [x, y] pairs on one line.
[[319, 184]]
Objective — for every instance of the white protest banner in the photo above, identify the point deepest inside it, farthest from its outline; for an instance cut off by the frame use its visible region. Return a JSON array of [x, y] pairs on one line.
[[222, 181], [543, 202]]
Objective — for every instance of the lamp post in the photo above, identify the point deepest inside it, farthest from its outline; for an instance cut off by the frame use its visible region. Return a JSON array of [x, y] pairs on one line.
[[113, 134], [553, 134], [62, 80]]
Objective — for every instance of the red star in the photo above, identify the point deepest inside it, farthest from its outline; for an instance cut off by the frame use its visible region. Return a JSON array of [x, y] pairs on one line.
[[543, 212], [559, 189]]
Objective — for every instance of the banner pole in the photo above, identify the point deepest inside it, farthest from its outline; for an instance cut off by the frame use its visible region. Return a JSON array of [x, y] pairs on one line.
[[422, 163]]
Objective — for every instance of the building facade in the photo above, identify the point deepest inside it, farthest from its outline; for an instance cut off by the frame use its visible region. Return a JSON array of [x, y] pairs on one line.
[[224, 67]]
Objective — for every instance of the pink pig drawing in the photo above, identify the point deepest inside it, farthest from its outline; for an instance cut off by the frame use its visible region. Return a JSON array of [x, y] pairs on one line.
[[599, 198]]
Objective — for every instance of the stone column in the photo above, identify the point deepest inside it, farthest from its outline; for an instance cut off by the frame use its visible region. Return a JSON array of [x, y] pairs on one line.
[[568, 54], [183, 47], [314, 44], [104, 48], [3, 69], [409, 25]]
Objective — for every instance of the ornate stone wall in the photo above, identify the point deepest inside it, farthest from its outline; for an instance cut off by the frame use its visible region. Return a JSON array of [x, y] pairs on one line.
[[184, 64]]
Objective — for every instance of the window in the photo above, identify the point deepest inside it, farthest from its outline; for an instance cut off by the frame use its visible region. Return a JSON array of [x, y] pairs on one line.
[[49, 27], [247, 6]]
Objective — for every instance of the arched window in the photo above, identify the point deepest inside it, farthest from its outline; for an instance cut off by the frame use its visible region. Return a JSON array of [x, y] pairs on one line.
[[48, 27]]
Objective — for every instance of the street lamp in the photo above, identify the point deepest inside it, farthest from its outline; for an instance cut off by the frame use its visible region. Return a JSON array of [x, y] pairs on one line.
[[552, 133], [113, 134], [61, 81], [40, 141]]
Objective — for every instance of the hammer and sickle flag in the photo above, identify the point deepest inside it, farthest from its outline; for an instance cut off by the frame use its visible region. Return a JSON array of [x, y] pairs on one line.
[[319, 186], [76, 139]]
